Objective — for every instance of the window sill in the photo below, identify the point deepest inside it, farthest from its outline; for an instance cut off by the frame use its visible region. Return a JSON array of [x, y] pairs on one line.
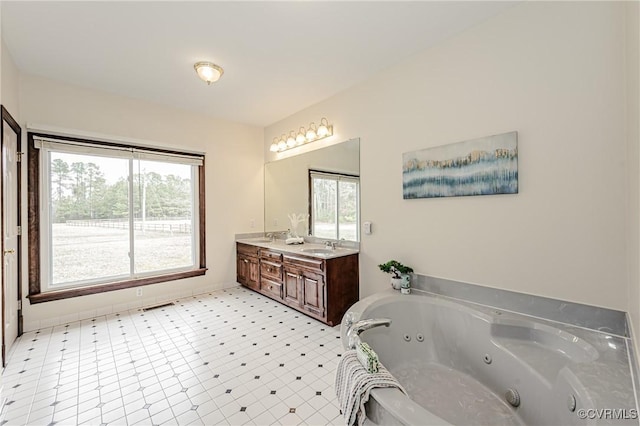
[[103, 288]]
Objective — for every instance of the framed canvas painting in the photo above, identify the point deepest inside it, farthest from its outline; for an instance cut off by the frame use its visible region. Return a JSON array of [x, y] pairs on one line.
[[483, 166]]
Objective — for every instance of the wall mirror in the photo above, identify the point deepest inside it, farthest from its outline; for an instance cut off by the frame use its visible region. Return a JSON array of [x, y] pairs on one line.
[[323, 184]]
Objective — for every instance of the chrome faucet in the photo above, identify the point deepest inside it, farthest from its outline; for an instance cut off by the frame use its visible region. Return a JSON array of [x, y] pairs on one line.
[[353, 333], [331, 244], [271, 236]]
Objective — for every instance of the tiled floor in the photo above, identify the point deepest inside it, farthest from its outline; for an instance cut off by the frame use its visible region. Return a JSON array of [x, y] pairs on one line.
[[229, 357]]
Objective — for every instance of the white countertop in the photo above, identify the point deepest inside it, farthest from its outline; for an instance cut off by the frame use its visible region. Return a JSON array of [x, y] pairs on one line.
[[306, 249]]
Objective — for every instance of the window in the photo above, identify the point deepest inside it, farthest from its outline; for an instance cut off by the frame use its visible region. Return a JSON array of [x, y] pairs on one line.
[[111, 216], [334, 205]]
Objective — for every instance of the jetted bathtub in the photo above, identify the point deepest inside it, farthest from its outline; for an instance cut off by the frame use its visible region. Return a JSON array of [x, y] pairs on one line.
[[468, 364]]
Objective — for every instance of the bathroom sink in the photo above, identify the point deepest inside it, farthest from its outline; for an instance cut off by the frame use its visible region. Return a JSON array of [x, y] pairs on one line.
[[319, 251]]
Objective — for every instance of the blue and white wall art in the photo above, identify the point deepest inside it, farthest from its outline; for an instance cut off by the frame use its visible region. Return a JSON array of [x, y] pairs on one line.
[[483, 166]]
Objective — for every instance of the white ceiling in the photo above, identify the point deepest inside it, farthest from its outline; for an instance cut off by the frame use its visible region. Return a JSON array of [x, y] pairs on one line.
[[278, 57]]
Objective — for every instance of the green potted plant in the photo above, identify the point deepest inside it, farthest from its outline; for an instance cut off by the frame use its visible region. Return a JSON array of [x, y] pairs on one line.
[[399, 273]]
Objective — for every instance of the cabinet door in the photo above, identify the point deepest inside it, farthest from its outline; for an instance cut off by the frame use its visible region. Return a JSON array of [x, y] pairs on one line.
[[253, 273], [313, 293], [291, 287], [247, 272], [242, 269]]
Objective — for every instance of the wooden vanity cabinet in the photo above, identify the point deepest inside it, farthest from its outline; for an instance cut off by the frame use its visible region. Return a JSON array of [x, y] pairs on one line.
[[321, 288], [247, 266]]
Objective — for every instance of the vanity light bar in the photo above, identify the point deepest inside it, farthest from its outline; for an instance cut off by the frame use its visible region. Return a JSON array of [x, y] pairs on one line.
[[304, 136]]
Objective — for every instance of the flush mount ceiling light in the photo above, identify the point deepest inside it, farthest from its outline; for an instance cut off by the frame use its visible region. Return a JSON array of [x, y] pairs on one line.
[[208, 72], [304, 136]]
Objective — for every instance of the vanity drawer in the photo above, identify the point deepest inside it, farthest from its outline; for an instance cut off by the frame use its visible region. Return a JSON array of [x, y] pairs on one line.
[[305, 262], [247, 249], [271, 270], [271, 288], [272, 256]]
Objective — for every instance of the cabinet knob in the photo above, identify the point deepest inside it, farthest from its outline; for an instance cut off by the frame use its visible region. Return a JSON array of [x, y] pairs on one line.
[[246, 261]]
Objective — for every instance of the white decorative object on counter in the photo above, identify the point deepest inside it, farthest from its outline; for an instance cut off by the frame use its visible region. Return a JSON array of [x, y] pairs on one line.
[[296, 220]]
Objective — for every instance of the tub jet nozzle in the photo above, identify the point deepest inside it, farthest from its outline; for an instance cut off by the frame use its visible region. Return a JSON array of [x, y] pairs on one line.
[[513, 397]]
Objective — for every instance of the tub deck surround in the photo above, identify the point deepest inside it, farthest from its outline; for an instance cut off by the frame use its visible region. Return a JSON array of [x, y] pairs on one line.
[[588, 316], [449, 354], [318, 282]]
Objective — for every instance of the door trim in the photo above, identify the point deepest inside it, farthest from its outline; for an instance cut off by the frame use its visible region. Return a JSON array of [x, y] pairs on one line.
[[6, 117]]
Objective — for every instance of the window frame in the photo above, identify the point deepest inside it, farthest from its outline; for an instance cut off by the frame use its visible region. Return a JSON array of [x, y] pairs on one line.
[[37, 293], [337, 176]]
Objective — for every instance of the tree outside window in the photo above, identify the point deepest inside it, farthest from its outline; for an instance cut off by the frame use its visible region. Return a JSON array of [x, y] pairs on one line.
[[334, 205]]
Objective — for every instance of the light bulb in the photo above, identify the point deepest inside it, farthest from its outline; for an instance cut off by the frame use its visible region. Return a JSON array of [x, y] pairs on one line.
[[323, 129], [274, 145], [311, 133], [282, 145], [300, 138], [291, 140]]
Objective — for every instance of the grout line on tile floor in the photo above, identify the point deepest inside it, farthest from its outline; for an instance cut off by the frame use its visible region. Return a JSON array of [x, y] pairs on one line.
[[227, 356]]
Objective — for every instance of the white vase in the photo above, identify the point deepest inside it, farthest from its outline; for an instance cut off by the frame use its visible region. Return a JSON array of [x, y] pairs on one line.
[[396, 283]]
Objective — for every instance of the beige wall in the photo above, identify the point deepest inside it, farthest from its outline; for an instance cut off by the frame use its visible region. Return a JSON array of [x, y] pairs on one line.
[[234, 182], [554, 72], [9, 81], [633, 156]]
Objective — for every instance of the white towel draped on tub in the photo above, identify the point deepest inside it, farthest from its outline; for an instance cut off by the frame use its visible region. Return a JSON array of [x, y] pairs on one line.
[[353, 385]]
